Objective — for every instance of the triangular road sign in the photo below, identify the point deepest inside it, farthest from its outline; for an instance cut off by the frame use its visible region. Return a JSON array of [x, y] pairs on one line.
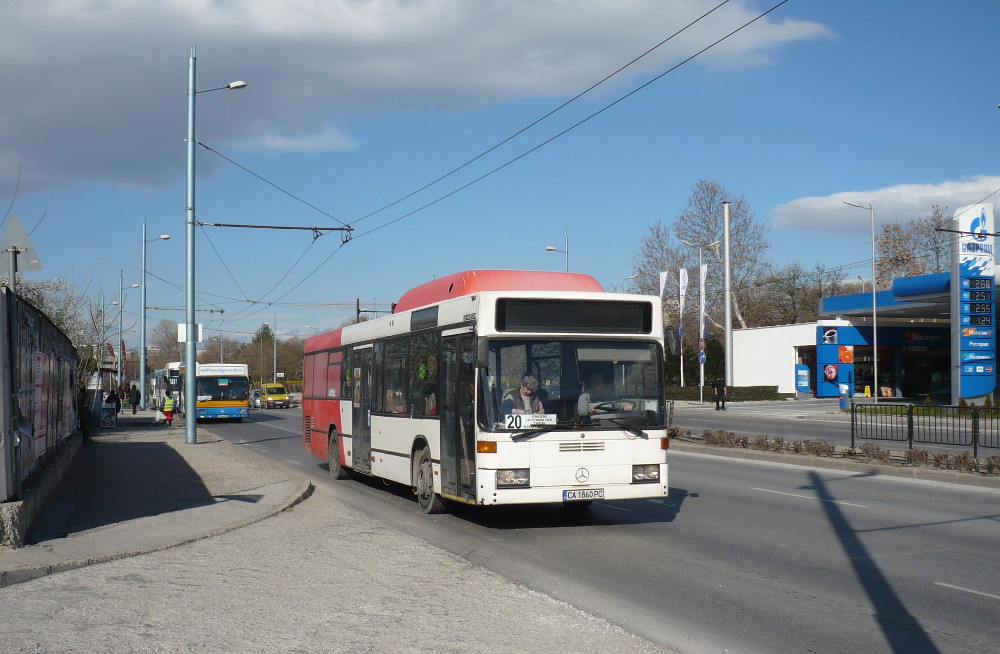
[[15, 236]]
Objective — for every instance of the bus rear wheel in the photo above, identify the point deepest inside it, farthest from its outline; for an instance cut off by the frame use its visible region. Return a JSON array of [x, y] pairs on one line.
[[333, 459], [423, 483]]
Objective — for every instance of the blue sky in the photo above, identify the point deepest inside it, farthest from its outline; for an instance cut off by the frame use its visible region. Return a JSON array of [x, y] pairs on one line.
[[351, 106]]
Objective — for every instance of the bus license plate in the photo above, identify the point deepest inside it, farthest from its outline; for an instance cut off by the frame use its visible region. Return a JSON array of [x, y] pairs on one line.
[[583, 495]]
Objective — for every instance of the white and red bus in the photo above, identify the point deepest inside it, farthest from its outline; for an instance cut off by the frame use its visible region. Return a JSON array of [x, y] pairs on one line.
[[431, 396]]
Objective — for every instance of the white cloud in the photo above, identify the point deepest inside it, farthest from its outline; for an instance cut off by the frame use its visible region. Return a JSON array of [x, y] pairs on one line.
[[328, 139], [96, 90], [892, 204]]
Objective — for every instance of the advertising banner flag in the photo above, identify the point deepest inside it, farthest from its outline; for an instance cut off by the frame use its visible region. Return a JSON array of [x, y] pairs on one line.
[[703, 274], [682, 282], [663, 283]]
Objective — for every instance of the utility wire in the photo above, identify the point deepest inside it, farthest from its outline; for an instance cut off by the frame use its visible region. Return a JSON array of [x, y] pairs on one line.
[[223, 262], [538, 120], [575, 125], [273, 185]]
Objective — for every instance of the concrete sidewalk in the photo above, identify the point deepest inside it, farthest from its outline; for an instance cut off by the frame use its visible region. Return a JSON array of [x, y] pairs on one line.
[[140, 488], [319, 578]]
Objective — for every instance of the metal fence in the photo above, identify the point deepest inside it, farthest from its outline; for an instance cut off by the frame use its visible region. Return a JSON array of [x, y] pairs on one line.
[[961, 426]]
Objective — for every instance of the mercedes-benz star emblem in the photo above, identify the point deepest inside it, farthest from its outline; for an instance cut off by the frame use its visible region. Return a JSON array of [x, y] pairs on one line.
[[582, 475]]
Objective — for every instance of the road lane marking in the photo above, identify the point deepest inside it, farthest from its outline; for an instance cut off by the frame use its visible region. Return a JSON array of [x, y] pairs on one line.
[[806, 497], [967, 590]]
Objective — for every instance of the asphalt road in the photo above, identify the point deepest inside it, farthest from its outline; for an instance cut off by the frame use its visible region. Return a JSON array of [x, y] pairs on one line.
[[742, 557]]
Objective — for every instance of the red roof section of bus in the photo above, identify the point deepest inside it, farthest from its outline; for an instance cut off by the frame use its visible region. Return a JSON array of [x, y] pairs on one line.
[[323, 341], [475, 281]]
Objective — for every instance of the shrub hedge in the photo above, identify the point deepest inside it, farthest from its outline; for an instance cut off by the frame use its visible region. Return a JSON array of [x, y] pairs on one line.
[[735, 394]]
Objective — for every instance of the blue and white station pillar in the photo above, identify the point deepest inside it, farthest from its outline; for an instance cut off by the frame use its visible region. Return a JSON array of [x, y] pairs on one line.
[[973, 305]]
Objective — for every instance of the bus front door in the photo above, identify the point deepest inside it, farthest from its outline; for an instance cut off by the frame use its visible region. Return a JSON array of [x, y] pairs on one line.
[[458, 437], [362, 401]]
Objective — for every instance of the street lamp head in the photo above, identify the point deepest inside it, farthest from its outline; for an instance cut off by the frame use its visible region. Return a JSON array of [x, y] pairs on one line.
[[859, 206], [164, 237], [239, 84], [136, 285], [549, 248], [707, 245]]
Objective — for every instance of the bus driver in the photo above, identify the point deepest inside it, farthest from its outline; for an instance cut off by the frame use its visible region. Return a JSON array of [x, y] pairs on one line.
[[596, 393]]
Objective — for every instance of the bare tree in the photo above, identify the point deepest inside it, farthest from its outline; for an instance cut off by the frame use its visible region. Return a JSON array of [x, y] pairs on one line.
[[913, 248], [700, 224], [792, 295], [164, 347]]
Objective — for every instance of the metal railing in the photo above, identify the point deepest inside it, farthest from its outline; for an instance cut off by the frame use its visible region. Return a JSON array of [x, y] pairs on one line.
[[961, 426]]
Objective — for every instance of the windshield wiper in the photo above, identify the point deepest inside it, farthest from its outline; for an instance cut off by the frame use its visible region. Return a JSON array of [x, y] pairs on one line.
[[532, 433], [629, 428]]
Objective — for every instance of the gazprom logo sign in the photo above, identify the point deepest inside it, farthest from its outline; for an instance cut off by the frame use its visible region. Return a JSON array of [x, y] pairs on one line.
[[978, 240], [980, 226], [975, 241]]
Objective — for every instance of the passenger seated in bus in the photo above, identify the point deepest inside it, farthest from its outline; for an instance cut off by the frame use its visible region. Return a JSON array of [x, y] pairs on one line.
[[430, 399], [523, 399], [394, 402], [595, 393]]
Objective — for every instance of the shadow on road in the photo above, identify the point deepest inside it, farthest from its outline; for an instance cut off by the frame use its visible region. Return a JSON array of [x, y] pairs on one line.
[[901, 629], [540, 516]]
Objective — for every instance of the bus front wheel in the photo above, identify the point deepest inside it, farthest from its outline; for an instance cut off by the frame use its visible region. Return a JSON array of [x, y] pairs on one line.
[[423, 483], [333, 458]]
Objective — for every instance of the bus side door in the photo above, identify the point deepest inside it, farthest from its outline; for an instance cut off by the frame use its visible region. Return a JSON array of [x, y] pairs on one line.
[[361, 363], [458, 436]]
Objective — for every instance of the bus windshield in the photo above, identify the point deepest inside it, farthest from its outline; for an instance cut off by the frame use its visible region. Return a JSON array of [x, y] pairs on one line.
[[222, 388], [555, 383]]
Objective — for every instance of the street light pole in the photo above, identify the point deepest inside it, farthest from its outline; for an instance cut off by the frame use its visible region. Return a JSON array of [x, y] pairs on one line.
[[190, 334], [565, 249], [876, 391], [727, 292], [274, 358], [142, 318], [121, 313], [260, 347]]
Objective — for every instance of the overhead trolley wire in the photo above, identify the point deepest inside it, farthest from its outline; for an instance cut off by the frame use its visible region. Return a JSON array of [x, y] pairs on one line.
[[273, 185], [540, 119], [575, 125]]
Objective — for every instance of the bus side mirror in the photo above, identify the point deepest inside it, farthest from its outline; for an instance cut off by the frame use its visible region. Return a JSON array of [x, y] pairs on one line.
[[483, 353]]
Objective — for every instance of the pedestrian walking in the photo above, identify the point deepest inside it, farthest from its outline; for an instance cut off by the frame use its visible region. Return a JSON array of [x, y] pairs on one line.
[[134, 397], [115, 399], [168, 409], [719, 393]]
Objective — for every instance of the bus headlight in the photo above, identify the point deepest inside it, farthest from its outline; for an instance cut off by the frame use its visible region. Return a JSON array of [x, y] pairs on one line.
[[515, 478], [645, 473]]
